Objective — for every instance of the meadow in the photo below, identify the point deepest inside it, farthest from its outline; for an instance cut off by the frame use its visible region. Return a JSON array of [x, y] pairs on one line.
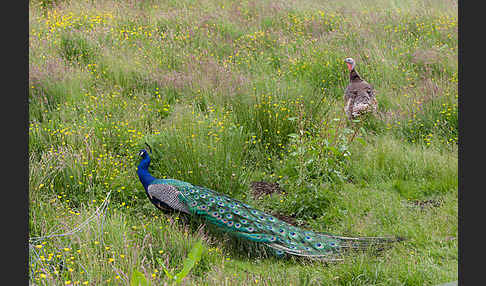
[[232, 92]]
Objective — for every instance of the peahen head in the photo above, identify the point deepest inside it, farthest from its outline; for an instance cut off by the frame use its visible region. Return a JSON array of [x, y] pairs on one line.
[[350, 62]]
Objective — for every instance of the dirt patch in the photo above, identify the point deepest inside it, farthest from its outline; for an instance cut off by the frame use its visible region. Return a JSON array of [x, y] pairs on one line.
[[264, 188], [427, 203], [425, 57]]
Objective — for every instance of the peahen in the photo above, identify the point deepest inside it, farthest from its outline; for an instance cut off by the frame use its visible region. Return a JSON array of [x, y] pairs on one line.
[[244, 221], [359, 95]]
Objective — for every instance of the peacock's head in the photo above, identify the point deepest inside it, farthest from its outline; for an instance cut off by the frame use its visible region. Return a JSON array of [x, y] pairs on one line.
[[350, 62], [143, 153]]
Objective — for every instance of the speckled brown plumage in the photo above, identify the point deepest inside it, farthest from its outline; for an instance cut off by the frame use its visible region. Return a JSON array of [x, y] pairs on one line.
[[359, 96]]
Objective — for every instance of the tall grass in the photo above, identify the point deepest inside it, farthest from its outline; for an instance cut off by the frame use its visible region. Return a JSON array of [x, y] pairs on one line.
[[227, 93]]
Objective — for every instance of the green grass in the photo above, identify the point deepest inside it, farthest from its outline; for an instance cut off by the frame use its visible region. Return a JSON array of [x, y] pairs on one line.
[[233, 92]]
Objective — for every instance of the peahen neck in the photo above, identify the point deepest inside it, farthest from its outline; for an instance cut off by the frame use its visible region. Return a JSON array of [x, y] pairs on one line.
[[354, 76], [143, 172]]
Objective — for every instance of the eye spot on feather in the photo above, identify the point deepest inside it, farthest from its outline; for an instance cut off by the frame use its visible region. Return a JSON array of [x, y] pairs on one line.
[[236, 212], [273, 238], [250, 229], [308, 238], [193, 204], [229, 216], [332, 243], [319, 245], [237, 225], [230, 223], [221, 204], [214, 214], [221, 210], [292, 234], [212, 200], [244, 221]]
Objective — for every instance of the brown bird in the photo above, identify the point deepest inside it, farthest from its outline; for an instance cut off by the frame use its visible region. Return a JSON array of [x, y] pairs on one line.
[[359, 95]]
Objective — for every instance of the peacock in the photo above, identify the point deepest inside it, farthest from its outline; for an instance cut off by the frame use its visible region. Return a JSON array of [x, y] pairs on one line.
[[244, 221]]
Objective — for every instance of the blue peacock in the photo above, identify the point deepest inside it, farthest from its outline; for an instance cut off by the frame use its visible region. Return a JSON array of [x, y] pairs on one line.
[[244, 221]]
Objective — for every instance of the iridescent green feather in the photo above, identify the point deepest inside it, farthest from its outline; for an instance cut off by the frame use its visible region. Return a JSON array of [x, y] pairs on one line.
[[242, 220]]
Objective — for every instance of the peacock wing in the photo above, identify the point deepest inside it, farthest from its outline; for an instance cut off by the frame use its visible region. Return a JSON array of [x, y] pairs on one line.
[[165, 197]]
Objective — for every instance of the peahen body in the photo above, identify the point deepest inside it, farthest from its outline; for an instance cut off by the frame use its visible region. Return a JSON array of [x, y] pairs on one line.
[[359, 95], [242, 220]]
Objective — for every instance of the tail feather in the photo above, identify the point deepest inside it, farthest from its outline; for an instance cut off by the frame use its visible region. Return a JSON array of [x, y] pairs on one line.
[[342, 244], [246, 222], [365, 242]]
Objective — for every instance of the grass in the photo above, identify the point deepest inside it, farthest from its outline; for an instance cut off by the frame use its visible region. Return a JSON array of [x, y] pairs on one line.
[[233, 92]]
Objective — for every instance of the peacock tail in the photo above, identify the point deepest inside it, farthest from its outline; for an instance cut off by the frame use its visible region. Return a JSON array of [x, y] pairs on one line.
[[242, 220]]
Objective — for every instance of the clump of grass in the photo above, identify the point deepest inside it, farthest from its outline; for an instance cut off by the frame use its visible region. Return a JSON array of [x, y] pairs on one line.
[[206, 151], [414, 171], [74, 48]]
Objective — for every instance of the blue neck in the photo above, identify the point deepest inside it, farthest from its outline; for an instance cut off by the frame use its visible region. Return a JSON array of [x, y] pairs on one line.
[[143, 172]]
